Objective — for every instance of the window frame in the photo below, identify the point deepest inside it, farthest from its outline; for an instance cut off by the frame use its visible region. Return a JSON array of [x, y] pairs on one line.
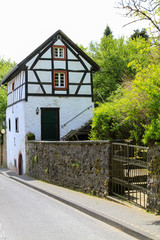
[[65, 80], [64, 52]]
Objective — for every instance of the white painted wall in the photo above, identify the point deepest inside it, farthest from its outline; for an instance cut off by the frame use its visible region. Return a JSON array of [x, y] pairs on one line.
[[19, 92], [15, 140], [30, 122], [59, 64], [43, 64], [69, 108]]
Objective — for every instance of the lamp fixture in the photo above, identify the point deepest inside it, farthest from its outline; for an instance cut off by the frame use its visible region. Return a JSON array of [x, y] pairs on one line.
[[37, 110]]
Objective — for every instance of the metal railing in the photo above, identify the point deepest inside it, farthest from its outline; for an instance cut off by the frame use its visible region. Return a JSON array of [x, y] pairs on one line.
[[76, 116], [129, 172]]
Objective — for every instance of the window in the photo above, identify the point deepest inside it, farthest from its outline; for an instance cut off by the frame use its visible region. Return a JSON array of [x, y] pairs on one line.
[[9, 124], [17, 125], [59, 52], [60, 80], [12, 86]]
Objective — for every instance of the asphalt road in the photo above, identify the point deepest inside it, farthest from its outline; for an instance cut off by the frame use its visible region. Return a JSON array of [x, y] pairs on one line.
[[26, 214]]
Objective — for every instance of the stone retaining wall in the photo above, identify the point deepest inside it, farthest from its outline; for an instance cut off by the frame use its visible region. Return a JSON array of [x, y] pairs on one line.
[[153, 188], [82, 166]]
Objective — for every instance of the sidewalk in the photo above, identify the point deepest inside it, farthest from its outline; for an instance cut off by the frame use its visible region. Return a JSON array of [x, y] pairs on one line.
[[126, 217]]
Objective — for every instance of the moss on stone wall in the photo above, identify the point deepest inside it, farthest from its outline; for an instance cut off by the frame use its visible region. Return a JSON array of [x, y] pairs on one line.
[[82, 166]]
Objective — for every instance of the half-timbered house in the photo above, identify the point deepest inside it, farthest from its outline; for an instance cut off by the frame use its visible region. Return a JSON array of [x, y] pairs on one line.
[[50, 93]]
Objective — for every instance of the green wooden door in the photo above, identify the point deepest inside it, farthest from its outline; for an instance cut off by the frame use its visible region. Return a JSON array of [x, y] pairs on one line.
[[50, 124]]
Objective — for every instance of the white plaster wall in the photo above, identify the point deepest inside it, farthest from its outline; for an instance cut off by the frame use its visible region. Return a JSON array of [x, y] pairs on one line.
[[15, 140], [19, 92], [48, 89], [69, 108], [86, 89], [59, 42], [87, 78], [9, 99], [60, 92], [34, 88], [59, 64], [75, 77], [72, 89], [71, 55], [43, 64], [45, 76], [47, 54], [75, 66], [31, 76], [86, 63], [18, 80], [29, 64]]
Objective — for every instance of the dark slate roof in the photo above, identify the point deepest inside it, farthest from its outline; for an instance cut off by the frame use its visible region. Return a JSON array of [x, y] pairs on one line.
[[22, 65]]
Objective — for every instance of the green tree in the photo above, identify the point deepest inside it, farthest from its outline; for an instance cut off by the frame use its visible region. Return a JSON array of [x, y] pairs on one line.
[[84, 49], [107, 31], [113, 57], [3, 105], [137, 33], [134, 112], [5, 67]]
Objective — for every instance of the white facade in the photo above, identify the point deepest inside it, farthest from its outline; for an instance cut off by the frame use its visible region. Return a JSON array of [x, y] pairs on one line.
[[15, 139], [56, 79], [29, 121]]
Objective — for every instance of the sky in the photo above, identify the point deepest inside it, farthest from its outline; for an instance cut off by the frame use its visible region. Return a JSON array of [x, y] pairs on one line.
[[27, 24]]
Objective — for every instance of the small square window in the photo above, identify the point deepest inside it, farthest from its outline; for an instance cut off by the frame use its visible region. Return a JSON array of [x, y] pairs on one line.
[[17, 125], [59, 52]]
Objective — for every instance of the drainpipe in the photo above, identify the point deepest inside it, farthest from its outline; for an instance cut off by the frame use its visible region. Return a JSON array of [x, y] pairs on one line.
[[1, 148]]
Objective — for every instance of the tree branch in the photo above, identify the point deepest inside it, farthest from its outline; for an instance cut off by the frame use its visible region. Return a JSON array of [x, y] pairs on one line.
[[133, 22], [142, 9]]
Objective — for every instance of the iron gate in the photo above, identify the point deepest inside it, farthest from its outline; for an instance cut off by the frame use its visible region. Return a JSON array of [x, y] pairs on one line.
[[129, 173]]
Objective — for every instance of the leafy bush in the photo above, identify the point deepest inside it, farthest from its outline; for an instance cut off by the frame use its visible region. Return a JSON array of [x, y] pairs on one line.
[[134, 112]]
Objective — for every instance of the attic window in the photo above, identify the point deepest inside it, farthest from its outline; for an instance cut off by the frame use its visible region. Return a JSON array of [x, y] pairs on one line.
[[59, 52], [60, 80]]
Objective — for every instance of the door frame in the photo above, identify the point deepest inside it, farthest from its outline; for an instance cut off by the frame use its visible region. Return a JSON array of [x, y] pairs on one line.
[[57, 122]]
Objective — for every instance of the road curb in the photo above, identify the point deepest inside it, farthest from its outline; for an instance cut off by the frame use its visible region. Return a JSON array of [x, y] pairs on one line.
[[89, 212]]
